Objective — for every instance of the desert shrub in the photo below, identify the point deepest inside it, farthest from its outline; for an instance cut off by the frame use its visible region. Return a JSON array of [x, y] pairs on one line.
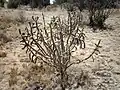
[[68, 7], [13, 3], [25, 2], [51, 7], [46, 2], [39, 3], [21, 17], [53, 44], [60, 1], [4, 38], [6, 22], [34, 73], [98, 13], [2, 3], [79, 4], [99, 18], [13, 77], [34, 3]]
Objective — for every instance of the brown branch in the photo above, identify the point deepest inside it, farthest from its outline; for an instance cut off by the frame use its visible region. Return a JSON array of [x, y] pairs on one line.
[[78, 61]]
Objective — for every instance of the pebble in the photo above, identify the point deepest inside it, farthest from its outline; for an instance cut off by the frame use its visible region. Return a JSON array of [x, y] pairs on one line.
[[3, 54]]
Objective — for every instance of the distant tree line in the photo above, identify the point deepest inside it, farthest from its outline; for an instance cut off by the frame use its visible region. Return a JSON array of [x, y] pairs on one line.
[[83, 3], [2, 3], [32, 3], [42, 3]]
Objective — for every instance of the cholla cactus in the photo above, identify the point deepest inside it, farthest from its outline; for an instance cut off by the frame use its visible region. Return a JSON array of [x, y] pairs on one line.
[[54, 43]]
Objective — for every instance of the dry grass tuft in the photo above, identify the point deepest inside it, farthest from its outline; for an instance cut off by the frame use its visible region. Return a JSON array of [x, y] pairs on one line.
[[36, 73], [21, 17], [13, 77], [4, 38]]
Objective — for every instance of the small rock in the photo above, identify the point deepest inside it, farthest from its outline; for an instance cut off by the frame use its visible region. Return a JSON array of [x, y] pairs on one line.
[[3, 54]]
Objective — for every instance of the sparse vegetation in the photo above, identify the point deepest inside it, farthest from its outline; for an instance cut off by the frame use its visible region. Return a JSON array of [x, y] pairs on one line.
[[13, 77], [13, 3], [98, 13], [2, 3], [36, 75], [32, 3], [55, 43], [60, 1], [4, 38], [21, 17], [61, 51]]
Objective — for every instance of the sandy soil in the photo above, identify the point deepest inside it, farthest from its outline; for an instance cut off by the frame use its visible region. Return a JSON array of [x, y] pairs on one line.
[[104, 71]]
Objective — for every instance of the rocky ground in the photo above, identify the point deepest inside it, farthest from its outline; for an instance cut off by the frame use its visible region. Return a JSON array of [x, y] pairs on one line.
[[102, 73]]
